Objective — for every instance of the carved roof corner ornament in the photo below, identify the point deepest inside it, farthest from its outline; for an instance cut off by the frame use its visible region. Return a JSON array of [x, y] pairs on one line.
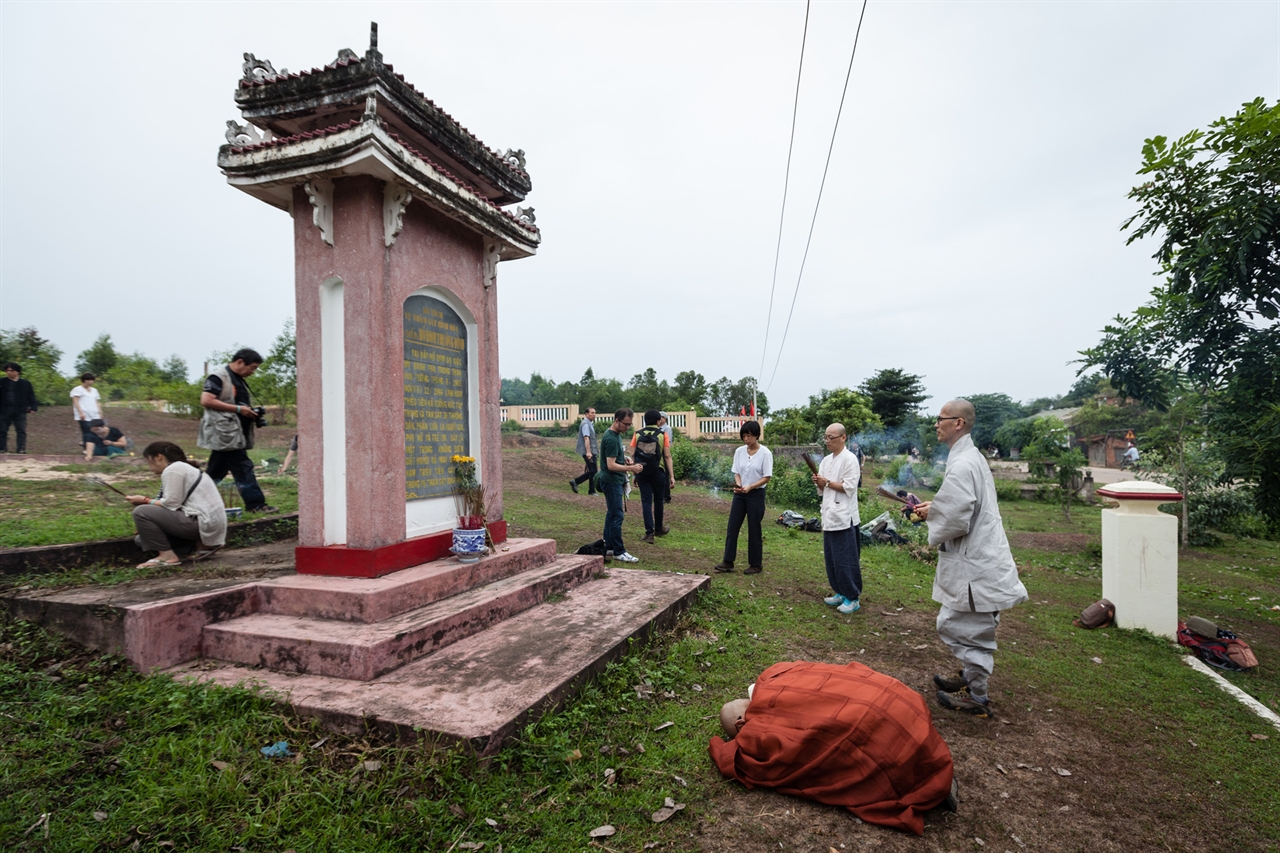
[[370, 109], [320, 194], [492, 254], [345, 54], [260, 69], [242, 134], [395, 199], [515, 159], [525, 214]]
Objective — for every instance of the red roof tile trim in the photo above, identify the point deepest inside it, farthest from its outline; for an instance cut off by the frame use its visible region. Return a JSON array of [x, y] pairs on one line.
[[296, 75], [337, 128]]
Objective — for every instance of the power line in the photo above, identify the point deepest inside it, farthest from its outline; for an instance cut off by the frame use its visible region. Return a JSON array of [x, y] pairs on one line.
[[786, 183], [821, 186]]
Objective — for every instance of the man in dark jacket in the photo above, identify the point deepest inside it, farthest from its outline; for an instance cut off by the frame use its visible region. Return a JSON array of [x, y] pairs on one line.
[[17, 400]]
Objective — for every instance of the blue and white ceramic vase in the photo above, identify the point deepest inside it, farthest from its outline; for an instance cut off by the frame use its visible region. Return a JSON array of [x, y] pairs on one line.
[[468, 545]]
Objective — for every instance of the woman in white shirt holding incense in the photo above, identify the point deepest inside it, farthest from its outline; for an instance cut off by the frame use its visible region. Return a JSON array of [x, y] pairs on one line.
[[752, 470]]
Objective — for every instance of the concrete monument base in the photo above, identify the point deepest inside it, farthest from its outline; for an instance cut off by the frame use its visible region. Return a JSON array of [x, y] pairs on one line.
[[464, 651]]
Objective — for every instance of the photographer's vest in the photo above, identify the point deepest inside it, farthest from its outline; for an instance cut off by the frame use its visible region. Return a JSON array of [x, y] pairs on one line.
[[221, 430]]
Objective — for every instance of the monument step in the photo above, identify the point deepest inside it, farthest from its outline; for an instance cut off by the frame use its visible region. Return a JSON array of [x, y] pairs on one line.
[[371, 600], [361, 652], [483, 688]]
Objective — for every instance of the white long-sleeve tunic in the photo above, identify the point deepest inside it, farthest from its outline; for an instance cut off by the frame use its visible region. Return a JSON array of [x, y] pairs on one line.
[[976, 571]]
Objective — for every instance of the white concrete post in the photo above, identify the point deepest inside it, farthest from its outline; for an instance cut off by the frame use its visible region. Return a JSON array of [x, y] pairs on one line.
[[1140, 557]]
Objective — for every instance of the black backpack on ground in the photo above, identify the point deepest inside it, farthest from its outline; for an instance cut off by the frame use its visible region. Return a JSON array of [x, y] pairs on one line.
[[593, 549], [649, 448]]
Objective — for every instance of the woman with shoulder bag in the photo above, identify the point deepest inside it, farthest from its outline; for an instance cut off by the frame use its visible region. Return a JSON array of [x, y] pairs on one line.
[[188, 513]]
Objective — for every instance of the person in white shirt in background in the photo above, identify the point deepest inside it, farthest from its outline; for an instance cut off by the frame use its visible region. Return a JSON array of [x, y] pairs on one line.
[[85, 405], [752, 470], [837, 482]]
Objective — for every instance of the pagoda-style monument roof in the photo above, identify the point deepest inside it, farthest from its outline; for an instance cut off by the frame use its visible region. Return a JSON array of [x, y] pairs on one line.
[[357, 116]]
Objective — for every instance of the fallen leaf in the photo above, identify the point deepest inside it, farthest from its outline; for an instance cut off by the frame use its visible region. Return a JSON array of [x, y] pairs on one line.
[[669, 808], [458, 811], [165, 844], [1062, 771], [100, 816], [602, 831], [490, 821], [1004, 795], [668, 724], [1259, 737], [220, 765], [649, 845], [1255, 598], [371, 766], [921, 647], [643, 691], [320, 743], [639, 747], [1002, 770], [1065, 809], [681, 781], [1096, 660], [610, 776], [471, 845], [979, 841], [574, 756]]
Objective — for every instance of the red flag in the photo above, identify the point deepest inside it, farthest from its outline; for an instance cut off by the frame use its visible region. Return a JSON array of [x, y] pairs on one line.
[[743, 411], [753, 408]]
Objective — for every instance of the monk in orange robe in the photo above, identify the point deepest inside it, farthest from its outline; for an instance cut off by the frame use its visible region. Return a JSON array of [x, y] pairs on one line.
[[841, 735]]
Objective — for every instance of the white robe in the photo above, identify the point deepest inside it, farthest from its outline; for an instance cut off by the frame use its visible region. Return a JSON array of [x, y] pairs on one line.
[[976, 571]]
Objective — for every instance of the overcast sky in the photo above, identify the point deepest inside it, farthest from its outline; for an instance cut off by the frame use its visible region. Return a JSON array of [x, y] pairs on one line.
[[969, 230]]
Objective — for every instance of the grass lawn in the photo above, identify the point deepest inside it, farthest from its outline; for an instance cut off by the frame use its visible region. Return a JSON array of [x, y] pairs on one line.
[[54, 511], [1159, 758]]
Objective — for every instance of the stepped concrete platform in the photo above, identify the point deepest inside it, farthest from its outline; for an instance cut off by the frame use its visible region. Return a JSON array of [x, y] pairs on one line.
[[352, 650], [468, 652], [484, 687]]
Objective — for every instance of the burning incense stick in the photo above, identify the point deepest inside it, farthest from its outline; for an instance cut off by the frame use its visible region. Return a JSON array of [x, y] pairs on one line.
[[89, 478]]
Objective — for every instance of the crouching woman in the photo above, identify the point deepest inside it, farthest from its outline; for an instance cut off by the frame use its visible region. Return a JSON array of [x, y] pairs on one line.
[[188, 513]]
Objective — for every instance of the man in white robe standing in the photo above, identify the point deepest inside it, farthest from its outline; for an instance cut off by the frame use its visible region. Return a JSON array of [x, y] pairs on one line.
[[977, 577]]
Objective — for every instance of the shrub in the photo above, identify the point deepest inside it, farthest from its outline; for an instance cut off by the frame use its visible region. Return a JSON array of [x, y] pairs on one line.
[[511, 426], [1008, 490], [792, 488], [699, 464]]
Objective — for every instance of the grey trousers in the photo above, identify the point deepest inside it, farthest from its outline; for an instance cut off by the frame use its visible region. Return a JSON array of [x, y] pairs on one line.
[[161, 529], [972, 638]]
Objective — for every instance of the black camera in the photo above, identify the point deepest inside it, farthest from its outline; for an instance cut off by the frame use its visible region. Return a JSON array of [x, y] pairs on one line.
[[261, 420]]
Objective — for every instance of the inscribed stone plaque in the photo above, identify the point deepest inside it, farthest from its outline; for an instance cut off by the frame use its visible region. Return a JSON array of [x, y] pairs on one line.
[[435, 396]]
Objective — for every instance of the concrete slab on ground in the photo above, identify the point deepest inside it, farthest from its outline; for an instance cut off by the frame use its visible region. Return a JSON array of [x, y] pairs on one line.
[[483, 688]]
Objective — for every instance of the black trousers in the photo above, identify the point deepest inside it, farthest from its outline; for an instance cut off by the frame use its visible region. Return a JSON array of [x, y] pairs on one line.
[[17, 417], [652, 488], [240, 466], [749, 506], [589, 475]]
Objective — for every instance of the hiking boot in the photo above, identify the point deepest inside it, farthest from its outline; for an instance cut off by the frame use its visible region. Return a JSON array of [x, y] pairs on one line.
[[627, 558], [663, 532], [951, 685], [262, 509], [648, 537], [573, 484], [752, 570], [849, 607], [835, 599], [965, 703], [723, 567]]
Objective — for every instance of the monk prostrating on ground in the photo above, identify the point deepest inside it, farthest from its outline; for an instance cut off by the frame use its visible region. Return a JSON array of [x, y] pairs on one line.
[[841, 735]]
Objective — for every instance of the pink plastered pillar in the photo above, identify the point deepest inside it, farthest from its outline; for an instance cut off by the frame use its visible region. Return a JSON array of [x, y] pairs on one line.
[[431, 252]]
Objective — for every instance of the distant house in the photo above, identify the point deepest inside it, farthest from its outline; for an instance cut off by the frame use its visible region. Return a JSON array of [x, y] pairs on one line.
[[1107, 449]]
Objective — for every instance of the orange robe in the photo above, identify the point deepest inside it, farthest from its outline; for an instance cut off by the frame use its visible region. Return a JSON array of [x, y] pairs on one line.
[[841, 735]]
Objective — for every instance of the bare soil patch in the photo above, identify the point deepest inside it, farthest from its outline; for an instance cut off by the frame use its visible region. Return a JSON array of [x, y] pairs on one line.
[[1063, 543], [52, 430]]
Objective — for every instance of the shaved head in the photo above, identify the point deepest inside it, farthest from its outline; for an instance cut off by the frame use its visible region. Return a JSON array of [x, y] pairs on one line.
[[731, 716], [962, 408]]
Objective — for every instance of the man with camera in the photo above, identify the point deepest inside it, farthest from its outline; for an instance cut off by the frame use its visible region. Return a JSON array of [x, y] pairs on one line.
[[226, 430]]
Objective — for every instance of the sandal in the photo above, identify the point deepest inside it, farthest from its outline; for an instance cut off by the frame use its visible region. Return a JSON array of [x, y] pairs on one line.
[[156, 561], [205, 554]]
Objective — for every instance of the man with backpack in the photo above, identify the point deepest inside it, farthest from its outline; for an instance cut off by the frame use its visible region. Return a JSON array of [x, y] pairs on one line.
[[651, 449]]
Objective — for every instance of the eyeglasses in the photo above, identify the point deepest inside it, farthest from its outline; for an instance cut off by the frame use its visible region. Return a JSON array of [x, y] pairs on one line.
[[832, 437], [940, 420]]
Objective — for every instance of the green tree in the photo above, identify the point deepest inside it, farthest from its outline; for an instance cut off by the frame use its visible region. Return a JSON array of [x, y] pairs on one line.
[[790, 426], [1212, 200], [39, 360], [1086, 388], [690, 387], [646, 392], [1245, 416], [276, 381], [895, 395], [992, 411], [99, 358], [844, 406], [174, 369]]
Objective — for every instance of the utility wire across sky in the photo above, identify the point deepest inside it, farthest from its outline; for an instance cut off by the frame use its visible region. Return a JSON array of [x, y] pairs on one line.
[[821, 187]]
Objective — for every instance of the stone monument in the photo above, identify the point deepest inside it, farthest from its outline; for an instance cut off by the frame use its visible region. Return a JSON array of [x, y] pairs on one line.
[[400, 222], [1140, 557]]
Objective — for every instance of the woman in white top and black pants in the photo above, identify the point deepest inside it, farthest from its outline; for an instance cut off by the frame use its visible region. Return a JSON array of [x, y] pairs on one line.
[[187, 514], [752, 470]]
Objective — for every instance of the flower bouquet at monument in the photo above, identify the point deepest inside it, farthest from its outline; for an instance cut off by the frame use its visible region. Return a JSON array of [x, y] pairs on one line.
[[471, 536]]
